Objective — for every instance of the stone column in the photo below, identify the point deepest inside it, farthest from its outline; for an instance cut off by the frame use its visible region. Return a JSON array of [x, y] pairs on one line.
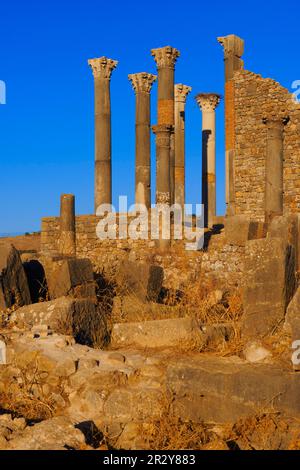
[[274, 168], [181, 92], [142, 83], [163, 138], [67, 241], [102, 69], [163, 197], [165, 58], [208, 103], [233, 51]]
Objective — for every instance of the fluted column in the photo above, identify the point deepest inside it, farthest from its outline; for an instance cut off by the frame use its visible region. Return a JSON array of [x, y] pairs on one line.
[[142, 83], [233, 51], [67, 241], [181, 92], [102, 69], [208, 103], [274, 168]]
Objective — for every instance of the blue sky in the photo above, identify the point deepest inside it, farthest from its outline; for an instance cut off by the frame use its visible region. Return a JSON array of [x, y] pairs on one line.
[[46, 126]]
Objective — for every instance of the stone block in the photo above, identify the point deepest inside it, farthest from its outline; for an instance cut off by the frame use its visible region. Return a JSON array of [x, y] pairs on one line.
[[269, 285], [70, 276], [175, 332], [287, 228], [77, 317], [223, 390], [141, 279], [239, 229], [13, 281]]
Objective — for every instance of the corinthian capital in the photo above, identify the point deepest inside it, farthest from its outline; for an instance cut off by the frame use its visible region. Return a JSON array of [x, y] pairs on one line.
[[181, 92], [142, 82], [102, 67], [232, 44], [165, 56], [208, 101]]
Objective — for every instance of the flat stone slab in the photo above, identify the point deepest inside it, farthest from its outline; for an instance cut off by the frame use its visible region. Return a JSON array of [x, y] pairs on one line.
[[221, 390], [185, 332]]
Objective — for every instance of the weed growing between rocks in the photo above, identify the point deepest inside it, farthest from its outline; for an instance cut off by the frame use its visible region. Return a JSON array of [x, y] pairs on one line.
[[25, 391]]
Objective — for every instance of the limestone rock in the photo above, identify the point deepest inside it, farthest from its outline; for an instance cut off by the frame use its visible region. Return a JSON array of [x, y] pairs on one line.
[[269, 285], [13, 282], [141, 279], [255, 352], [58, 433]]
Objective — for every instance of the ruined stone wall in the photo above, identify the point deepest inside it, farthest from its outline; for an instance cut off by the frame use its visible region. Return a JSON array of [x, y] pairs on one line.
[[255, 98], [221, 262]]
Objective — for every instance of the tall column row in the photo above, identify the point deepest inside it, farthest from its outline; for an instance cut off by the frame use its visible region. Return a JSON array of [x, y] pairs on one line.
[[169, 132]]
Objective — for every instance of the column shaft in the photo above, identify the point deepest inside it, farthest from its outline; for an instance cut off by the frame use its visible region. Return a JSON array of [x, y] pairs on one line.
[[274, 170], [165, 58], [103, 182], [163, 140], [233, 51], [181, 92], [209, 166], [102, 69], [142, 150], [67, 241], [208, 103], [142, 83]]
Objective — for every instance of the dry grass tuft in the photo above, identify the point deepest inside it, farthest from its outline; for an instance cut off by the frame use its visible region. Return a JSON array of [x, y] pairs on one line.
[[266, 430], [171, 433], [23, 392]]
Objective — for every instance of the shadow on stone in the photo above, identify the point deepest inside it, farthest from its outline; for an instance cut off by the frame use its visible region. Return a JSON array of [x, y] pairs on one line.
[[36, 279]]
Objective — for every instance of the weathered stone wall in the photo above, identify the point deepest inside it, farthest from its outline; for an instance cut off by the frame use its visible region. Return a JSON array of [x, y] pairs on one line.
[[256, 97], [221, 262]]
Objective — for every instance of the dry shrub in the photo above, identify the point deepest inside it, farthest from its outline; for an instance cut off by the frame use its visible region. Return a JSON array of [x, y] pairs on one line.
[[23, 393], [171, 433], [197, 302], [266, 430]]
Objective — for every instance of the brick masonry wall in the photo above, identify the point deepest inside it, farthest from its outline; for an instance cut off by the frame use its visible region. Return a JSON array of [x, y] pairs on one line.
[[221, 262], [256, 97]]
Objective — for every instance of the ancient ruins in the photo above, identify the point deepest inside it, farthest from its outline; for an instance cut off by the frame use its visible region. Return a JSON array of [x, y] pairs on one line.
[[137, 336]]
